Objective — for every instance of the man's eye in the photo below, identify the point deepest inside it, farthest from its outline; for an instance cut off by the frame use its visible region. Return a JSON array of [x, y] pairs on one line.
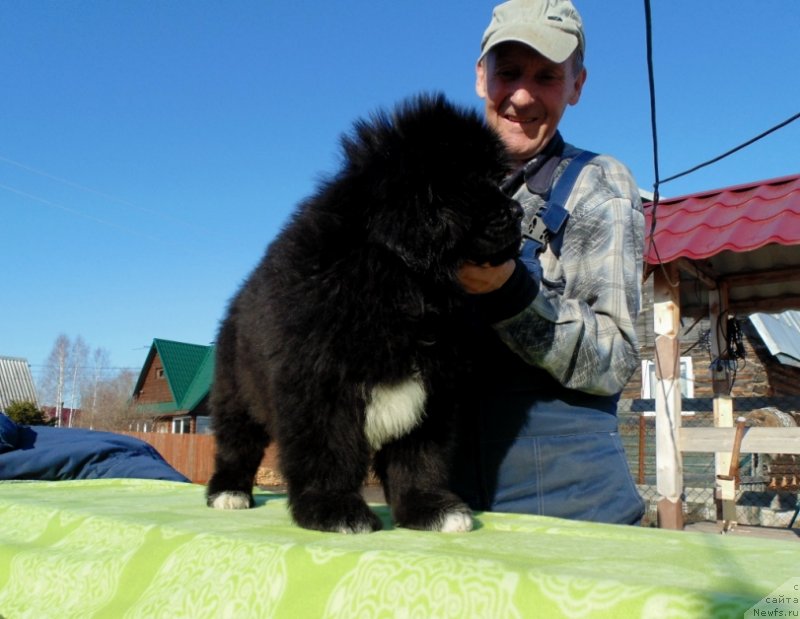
[[507, 74], [547, 78]]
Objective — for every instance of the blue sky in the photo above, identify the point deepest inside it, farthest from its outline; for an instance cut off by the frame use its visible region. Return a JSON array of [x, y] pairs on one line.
[[150, 150]]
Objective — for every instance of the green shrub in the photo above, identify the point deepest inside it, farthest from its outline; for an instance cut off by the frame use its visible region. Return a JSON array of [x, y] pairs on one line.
[[26, 413]]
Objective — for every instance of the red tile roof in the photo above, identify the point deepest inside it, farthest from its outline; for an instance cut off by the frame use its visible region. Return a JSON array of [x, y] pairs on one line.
[[740, 219]]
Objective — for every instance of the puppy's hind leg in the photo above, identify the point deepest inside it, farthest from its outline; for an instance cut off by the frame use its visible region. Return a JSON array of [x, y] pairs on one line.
[[239, 452], [240, 442], [236, 463], [240, 448]]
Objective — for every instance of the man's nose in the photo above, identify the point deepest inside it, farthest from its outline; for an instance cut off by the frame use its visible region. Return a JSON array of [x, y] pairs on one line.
[[523, 96]]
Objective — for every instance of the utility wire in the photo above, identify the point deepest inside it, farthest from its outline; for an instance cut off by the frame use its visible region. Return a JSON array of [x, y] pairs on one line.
[[652, 86], [658, 182], [651, 81], [108, 197], [185, 249], [654, 130], [730, 152], [73, 211]]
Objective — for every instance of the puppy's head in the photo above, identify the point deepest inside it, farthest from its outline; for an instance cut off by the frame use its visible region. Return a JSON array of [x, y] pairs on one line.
[[430, 175]]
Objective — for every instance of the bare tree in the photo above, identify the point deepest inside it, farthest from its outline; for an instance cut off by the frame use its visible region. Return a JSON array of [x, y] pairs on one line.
[[113, 401], [78, 360], [53, 379], [100, 391], [101, 361]]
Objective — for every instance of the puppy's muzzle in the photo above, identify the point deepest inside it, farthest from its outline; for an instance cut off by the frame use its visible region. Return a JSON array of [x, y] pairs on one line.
[[500, 236]]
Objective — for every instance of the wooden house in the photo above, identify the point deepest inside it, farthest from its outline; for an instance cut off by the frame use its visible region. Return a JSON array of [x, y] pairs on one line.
[[171, 393]]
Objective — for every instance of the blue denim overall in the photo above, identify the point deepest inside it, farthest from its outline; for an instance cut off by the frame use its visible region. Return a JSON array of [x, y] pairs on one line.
[[529, 445]]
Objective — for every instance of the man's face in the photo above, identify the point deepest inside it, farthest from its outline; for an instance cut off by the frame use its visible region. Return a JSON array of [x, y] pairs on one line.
[[525, 96]]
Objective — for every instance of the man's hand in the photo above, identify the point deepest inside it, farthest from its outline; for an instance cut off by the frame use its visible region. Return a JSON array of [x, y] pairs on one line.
[[483, 278]]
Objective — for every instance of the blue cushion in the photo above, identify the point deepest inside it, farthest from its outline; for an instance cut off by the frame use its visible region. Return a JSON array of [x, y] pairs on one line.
[[55, 454], [9, 434]]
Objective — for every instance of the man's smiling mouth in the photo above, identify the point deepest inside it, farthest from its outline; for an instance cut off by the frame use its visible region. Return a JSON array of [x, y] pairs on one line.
[[520, 121]]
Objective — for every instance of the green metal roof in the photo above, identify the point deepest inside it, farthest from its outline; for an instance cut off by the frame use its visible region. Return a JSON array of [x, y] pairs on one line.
[[188, 369], [198, 388], [181, 362]]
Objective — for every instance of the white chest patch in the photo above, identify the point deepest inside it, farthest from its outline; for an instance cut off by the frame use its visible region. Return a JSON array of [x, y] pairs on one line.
[[394, 410]]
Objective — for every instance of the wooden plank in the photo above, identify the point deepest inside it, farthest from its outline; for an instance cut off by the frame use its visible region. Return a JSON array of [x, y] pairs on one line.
[[669, 463], [790, 274], [755, 440], [724, 489], [723, 418], [750, 306], [700, 271], [670, 514]]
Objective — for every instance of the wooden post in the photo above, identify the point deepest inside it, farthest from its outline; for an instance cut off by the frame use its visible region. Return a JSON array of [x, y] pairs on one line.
[[725, 489], [642, 448], [669, 462]]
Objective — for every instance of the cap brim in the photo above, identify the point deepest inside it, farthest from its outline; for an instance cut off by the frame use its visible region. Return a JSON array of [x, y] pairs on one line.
[[552, 43]]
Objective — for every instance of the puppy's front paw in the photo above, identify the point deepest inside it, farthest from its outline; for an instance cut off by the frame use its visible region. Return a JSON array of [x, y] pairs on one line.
[[230, 500], [433, 511], [336, 514], [457, 521]]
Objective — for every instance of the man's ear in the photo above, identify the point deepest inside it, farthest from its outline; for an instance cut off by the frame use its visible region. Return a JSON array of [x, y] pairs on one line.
[[580, 80], [480, 78]]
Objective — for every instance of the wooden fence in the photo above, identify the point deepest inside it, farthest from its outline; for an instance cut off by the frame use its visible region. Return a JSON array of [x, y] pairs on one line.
[[193, 455]]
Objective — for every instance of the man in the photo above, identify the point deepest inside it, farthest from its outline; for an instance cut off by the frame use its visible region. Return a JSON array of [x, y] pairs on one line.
[[554, 340]]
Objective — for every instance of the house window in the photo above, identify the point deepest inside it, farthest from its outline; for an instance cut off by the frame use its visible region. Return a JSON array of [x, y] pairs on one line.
[[139, 426], [203, 424], [159, 372], [182, 425], [649, 383]]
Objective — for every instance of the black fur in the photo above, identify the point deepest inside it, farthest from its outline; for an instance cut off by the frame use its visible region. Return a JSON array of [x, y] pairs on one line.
[[357, 293]]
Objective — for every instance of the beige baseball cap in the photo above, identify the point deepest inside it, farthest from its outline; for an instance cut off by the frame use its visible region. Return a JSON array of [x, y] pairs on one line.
[[551, 27]]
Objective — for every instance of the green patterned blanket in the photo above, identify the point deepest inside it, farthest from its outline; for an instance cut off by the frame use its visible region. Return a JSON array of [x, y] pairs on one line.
[[135, 548]]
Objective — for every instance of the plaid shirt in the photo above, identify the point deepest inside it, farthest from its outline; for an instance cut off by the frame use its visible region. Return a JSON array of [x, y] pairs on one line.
[[580, 326]]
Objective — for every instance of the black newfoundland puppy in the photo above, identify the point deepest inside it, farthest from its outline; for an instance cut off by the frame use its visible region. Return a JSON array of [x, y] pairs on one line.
[[341, 345]]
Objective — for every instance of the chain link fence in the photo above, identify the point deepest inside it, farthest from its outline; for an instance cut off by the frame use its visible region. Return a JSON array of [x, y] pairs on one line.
[[767, 485]]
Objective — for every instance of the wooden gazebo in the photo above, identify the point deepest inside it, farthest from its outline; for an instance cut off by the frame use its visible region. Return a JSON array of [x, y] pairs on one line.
[[717, 254]]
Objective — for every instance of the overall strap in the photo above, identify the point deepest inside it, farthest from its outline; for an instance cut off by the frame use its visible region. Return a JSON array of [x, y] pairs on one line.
[[547, 225]]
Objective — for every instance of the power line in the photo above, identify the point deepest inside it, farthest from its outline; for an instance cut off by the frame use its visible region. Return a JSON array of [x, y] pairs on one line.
[[199, 232], [186, 249], [86, 367], [73, 211], [654, 130], [658, 182], [731, 151], [65, 181], [110, 197], [652, 89]]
